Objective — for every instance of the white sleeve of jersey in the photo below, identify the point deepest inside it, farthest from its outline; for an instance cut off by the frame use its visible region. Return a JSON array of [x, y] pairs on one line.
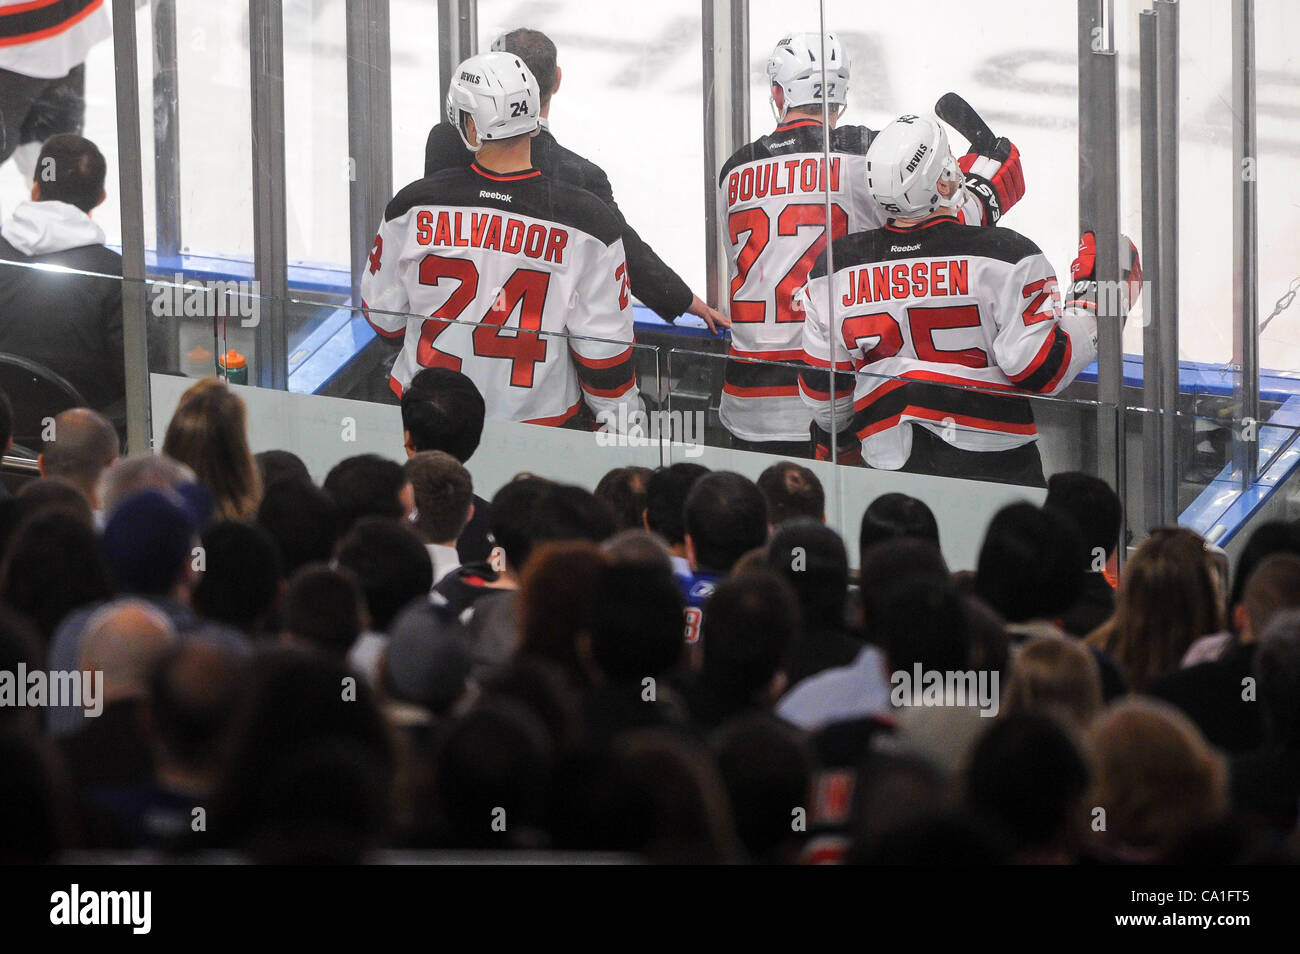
[[818, 341], [1037, 346], [382, 288], [606, 367]]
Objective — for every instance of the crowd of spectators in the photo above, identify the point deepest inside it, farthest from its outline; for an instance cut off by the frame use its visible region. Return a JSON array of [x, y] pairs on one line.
[[679, 666]]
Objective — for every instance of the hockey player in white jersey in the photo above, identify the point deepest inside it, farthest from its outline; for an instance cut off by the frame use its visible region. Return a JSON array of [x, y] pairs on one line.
[[772, 208], [938, 329], [488, 269]]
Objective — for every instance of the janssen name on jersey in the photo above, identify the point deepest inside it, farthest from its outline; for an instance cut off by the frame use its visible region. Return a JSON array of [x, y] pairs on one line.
[[943, 325], [518, 281], [772, 206]]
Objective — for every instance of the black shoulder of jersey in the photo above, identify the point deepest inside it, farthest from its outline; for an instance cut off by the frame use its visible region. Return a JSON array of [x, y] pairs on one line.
[[802, 138], [854, 139], [536, 195], [940, 239], [746, 153]]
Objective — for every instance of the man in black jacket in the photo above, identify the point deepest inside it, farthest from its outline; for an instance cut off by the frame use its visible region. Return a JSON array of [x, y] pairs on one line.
[[652, 281], [71, 323]]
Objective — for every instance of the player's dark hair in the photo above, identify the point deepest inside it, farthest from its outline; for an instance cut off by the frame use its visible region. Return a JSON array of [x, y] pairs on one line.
[[443, 410], [390, 563], [812, 559], [665, 499], [635, 622], [792, 492], [624, 489], [538, 53], [302, 519], [1026, 777], [71, 169], [1091, 503], [726, 517], [241, 576], [325, 608], [749, 622], [891, 516], [366, 485], [1031, 563]]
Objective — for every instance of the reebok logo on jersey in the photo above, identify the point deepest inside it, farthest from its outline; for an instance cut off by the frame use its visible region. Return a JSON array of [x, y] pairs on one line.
[[780, 145], [496, 195], [905, 248]]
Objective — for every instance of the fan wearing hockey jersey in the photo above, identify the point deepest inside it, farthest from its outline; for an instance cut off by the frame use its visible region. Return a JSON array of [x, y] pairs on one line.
[[653, 282], [940, 329], [502, 263], [772, 207]]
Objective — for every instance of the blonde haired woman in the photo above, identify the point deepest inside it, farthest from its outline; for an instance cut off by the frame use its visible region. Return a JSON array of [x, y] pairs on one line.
[[209, 434]]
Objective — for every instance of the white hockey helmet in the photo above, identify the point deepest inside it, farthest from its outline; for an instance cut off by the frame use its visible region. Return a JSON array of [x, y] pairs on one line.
[[905, 164], [499, 92], [796, 67]]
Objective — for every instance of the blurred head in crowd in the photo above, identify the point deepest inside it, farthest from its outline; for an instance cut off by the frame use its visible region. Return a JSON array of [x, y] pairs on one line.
[[665, 502], [812, 559], [20, 645], [530, 511], [558, 589], [389, 562], [52, 566], [1277, 671], [1031, 564], [623, 489], [208, 433], [148, 545], [1155, 777], [749, 622], [494, 767], [368, 485], [442, 410], [71, 169], [82, 445], [767, 769], [638, 546], [303, 521], [891, 516], [276, 465], [308, 777], [53, 493], [444, 495], [324, 608], [1168, 597], [1054, 676], [125, 640], [792, 492], [726, 517], [242, 576], [889, 563], [1273, 536], [192, 692], [923, 623], [130, 475], [1273, 586], [634, 627], [679, 807], [1027, 777], [1095, 509]]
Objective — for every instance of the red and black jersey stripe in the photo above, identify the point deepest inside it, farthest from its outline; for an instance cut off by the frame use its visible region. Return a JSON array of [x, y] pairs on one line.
[[1044, 372], [888, 404], [38, 19], [760, 378], [815, 382], [606, 377]]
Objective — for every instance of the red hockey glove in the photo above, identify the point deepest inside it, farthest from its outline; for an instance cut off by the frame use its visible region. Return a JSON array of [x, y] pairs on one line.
[[1083, 278], [996, 180]]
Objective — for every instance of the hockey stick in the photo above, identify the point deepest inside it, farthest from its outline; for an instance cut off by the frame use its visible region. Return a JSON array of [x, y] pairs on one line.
[[961, 116]]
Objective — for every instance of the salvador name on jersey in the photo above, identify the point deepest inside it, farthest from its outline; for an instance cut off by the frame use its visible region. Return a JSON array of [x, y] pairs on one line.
[[507, 267], [772, 208], [925, 314]]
